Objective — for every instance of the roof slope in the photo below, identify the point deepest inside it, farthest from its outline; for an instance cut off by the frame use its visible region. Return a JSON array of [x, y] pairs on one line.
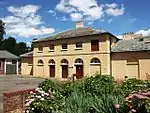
[[137, 44], [29, 54], [8, 55], [77, 32]]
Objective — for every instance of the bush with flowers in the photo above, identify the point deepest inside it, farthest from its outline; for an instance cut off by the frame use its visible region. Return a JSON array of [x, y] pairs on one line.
[[98, 94], [138, 102]]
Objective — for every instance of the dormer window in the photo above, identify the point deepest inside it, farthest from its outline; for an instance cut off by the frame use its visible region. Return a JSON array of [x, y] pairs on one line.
[[64, 46], [51, 47]]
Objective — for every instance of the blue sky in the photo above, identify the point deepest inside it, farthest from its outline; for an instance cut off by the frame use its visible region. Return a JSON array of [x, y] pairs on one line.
[[28, 19]]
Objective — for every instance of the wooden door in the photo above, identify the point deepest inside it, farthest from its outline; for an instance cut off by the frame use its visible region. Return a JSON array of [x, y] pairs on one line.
[[52, 71], [1, 67], [64, 71], [79, 71]]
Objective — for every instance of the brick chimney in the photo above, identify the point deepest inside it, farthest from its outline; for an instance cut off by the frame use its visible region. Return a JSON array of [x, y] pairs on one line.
[[128, 36], [79, 24]]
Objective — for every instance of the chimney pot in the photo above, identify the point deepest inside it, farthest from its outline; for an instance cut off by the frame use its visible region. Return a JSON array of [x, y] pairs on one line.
[[79, 24]]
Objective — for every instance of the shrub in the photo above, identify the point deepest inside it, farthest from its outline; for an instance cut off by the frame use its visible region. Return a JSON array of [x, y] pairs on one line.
[[131, 85], [49, 84], [97, 94], [108, 104], [100, 84], [138, 102]]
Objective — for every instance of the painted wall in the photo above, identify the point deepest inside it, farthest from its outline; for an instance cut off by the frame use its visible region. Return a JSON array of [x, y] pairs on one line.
[[72, 54], [127, 63], [27, 66]]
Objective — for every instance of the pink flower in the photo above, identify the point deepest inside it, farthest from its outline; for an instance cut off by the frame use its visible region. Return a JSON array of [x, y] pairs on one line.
[[139, 96], [133, 110], [129, 97], [117, 106]]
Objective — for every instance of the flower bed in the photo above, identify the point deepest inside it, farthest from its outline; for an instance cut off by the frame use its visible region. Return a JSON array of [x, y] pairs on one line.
[[98, 94]]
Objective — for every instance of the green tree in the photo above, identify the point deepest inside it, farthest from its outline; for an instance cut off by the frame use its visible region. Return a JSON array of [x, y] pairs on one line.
[[2, 29], [12, 46], [9, 44], [21, 48]]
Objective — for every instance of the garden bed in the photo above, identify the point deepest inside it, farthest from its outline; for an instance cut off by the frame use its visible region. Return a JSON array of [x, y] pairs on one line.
[[98, 94]]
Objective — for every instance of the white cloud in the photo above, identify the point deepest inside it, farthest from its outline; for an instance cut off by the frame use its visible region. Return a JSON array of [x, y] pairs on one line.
[[114, 9], [64, 19], [64, 7], [120, 37], [28, 44], [90, 23], [89, 10], [25, 22], [76, 16], [144, 32], [113, 5], [52, 12], [24, 10]]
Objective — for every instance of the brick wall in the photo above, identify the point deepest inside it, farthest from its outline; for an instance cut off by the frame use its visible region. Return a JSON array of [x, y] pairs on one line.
[[14, 101]]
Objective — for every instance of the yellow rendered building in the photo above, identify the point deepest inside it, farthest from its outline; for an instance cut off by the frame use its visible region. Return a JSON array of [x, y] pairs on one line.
[[84, 51]]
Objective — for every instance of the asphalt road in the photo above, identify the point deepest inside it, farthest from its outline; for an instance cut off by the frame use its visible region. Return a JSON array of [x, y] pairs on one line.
[[14, 83]]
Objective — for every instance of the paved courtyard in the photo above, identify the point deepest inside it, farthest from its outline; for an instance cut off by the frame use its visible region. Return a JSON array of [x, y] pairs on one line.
[[14, 82]]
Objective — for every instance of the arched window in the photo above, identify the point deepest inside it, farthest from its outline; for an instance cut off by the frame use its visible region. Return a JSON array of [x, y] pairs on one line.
[[78, 61], [64, 62], [51, 62], [95, 61], [40, 62]]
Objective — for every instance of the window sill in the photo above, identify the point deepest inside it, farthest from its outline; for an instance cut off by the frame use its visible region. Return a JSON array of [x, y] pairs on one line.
[[40, 51], [51, 50], [40, 65], [94, 50], [64, 49], [78, 48], [94, 63]]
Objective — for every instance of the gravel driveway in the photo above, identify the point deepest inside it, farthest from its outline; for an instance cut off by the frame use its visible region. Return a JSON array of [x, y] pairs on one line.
[[15, 82]]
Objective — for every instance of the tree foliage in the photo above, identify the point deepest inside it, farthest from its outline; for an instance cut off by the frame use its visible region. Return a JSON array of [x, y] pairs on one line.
[[12, 46], [2, 29]]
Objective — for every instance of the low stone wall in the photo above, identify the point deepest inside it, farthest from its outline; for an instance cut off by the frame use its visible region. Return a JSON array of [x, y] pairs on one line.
[[14, 101]]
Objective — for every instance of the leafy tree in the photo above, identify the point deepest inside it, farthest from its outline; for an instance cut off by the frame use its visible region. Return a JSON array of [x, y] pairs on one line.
[[12, 46], [2, 29], [9, 44], [21, 48]]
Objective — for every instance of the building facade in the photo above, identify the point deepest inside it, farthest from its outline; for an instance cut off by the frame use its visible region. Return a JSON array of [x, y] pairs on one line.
[[27, 63], [84, 51], [81, 55]]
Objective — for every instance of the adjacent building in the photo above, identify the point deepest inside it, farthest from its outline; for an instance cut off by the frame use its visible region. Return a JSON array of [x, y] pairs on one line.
[[8, 63], [27, 63], [131, 58]]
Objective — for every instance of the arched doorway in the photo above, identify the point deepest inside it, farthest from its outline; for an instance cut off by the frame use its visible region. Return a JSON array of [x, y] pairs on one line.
[[51, 68], [40, 68], [79, 68], [95, 66], [64, 66]]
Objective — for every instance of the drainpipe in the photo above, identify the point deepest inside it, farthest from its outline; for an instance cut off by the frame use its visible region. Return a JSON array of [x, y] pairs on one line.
[[110, 56], [17, 67], [5, 66]]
